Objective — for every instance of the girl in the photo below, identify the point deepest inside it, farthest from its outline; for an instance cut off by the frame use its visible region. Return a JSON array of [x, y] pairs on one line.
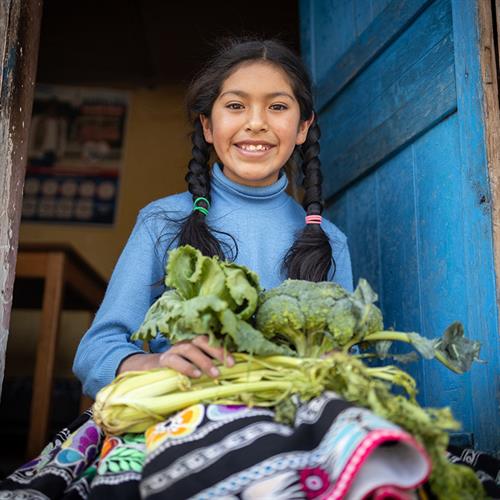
[[251, 107]]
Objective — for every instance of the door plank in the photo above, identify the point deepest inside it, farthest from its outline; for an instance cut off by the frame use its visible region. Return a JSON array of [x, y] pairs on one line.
[[355, 212], [329, 49], [403, 126], [442, 284], [482, 312], [399, 263], [307, 29], [428, 37], [387, 26], [391, 115]]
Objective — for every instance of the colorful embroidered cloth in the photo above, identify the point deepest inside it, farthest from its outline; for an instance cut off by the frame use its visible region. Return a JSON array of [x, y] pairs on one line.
[[334, 450]]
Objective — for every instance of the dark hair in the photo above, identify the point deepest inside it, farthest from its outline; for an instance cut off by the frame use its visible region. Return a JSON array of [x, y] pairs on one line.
[[310, 256]]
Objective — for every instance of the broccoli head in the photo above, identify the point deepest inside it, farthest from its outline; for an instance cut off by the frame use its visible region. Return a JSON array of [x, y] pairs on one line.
[[314, 318]]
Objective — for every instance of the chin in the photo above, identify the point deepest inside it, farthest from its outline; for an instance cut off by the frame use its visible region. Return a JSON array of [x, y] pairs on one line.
[[259, 181]]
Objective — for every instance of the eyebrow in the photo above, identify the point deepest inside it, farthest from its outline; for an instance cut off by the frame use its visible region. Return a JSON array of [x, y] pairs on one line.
[[241, 93]]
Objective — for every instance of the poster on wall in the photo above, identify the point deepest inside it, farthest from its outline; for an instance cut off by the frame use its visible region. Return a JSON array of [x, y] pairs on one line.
[[75, 155]]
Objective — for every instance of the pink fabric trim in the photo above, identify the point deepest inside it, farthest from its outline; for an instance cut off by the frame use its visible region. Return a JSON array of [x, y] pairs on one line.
[[390, 492], [362, 452], [313, 219]]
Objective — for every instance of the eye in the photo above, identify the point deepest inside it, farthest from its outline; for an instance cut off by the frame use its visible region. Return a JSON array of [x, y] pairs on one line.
[[234, 105], [278, 107]]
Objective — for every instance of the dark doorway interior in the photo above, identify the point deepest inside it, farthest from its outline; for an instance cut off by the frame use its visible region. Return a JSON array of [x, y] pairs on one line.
[[148, 42]]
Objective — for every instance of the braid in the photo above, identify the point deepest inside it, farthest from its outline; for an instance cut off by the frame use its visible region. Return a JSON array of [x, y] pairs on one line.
[[310, 256], [311, 168], [198, 176], [195, 231]]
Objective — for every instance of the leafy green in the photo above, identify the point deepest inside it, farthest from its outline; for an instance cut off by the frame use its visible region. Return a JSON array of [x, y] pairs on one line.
[[207, 297], [315, 318], [456, 349], [453, 350], [359, 384], [193, 275]]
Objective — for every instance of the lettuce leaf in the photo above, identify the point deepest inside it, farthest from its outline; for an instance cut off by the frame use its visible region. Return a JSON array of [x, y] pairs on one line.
[[208, 297]]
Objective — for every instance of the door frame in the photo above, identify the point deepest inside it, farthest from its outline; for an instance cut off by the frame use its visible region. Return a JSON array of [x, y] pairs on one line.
[[20, 22], [488, 15]]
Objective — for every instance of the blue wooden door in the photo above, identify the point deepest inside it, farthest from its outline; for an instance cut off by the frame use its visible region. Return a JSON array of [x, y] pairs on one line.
[[398, 93]]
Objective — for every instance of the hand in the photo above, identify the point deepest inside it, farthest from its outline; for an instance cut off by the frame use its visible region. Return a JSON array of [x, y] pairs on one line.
[[191, 358]]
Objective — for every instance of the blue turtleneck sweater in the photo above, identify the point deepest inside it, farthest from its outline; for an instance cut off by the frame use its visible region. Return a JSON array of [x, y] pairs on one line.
[[262, 220]]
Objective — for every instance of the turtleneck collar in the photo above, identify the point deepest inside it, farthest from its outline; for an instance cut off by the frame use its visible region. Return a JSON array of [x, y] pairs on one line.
[[270, 196]]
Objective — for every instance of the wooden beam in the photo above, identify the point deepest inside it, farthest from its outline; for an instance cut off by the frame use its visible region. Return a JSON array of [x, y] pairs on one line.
[[496, 7], [32, 265], [85, 285], [46, 353], [489, 58], [19, 36]]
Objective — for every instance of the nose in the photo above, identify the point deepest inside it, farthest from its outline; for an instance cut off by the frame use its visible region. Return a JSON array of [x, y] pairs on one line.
[[256, 120]]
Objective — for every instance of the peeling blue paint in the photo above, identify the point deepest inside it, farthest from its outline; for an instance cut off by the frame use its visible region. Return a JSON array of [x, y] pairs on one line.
[[8, 70]]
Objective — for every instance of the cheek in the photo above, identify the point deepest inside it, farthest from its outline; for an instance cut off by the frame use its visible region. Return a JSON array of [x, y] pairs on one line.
[[288, 128], [224, 124], [224, 127], [289, 133]]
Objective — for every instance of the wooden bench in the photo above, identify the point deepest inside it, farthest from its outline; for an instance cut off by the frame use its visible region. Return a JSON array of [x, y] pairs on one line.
[[52, 277]]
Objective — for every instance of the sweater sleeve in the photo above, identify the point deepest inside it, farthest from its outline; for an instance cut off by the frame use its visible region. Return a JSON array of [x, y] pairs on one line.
[[343, 268], [130, 292]]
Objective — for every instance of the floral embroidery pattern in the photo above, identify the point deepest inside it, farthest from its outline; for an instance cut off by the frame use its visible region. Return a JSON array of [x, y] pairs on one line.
[[314, 481], [81, 462], [80, 448], [81, 485], [89, 473], [109, 443], [181, 424], [122, 454], [222, 412], [33, 466], [122, 459], [70, 453]]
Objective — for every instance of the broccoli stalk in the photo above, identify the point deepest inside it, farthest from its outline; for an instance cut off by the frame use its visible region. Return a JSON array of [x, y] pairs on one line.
[[453, 350], [316, 318]]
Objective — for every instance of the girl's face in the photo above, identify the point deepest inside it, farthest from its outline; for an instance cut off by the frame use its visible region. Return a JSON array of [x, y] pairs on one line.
[[255, 124]]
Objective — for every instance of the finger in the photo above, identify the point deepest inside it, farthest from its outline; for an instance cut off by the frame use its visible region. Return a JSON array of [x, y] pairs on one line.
[[218, 353], [179, 364], [198, 357]]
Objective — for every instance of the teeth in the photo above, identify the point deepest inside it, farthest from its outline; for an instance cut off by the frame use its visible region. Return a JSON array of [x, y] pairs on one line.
[[254, 147]]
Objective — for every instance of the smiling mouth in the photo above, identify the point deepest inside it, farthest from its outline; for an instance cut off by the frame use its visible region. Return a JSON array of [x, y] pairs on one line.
[[254, 148]]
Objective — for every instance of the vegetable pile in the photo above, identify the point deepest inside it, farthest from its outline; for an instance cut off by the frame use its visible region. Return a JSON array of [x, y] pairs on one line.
[[292, 340]]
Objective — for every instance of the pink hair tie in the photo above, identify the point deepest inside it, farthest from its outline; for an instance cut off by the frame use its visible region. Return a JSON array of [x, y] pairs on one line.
[[313, 219]]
